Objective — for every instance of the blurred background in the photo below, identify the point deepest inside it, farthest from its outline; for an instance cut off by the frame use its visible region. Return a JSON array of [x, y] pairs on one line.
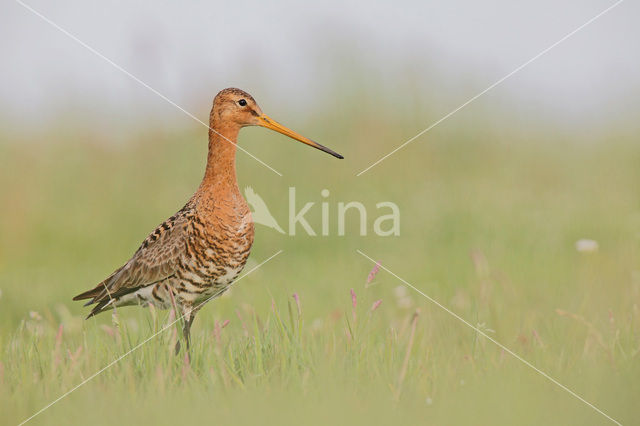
[[295, 57], [493, 200]]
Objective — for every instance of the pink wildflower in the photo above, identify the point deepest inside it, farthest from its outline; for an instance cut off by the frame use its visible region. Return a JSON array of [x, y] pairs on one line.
[[376, 304], [297, 299], [373, 272]]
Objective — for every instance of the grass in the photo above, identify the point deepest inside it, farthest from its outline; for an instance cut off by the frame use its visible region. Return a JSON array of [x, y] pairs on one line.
[[489, 222]]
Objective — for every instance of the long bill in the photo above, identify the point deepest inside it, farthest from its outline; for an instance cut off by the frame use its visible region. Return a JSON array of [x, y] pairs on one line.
[[269, 123]]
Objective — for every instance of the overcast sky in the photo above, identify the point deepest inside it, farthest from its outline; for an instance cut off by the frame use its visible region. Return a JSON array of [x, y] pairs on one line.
[[189, 50]]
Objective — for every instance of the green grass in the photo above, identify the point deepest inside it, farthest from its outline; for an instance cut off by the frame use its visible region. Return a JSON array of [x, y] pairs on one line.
[[489, 222]]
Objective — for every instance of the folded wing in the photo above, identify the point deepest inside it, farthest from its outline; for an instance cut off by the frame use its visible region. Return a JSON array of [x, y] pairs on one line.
[[156, 260]]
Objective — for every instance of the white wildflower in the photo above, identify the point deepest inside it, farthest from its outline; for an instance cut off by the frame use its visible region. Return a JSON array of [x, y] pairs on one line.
[[400, 291], [403, 300], [585, 245]]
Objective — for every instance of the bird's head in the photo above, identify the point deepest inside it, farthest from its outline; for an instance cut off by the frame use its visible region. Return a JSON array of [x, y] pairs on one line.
[[237, 107]]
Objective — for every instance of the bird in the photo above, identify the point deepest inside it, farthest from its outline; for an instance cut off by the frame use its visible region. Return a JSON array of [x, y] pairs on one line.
[[261, 213], [196, 254]]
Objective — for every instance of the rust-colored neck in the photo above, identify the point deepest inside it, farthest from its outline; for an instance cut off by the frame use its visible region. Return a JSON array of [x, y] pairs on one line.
[[221, 160]]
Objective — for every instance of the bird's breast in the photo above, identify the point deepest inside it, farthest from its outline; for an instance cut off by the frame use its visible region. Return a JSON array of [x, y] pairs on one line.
[[221, 239]]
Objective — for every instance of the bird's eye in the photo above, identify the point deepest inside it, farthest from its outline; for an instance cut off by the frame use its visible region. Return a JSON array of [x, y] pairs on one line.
[[242, 102]]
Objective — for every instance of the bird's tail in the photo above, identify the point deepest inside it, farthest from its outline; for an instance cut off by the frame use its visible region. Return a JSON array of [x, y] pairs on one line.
[[100, 307], [99, 294], [90, 294]]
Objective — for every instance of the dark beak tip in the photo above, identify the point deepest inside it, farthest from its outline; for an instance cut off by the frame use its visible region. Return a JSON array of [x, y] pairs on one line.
[[328, 151]]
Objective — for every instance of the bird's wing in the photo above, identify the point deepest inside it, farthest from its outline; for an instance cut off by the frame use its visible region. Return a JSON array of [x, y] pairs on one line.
[[155, 260]]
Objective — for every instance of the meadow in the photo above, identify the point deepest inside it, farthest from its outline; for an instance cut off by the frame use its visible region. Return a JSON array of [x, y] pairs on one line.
[[490, 217]]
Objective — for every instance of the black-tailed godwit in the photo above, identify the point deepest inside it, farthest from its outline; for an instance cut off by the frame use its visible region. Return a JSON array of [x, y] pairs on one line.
[[199, 251]]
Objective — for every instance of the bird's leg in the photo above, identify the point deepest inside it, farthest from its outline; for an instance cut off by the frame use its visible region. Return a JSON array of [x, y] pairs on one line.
[[189, 315], [186, 331], [175, 309]]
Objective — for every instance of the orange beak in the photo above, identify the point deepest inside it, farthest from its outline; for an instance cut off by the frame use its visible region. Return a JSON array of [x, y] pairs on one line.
[[267, 122]]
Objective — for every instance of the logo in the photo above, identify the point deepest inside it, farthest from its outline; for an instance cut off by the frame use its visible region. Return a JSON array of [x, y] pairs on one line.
[[386, 220], [259, 210]]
